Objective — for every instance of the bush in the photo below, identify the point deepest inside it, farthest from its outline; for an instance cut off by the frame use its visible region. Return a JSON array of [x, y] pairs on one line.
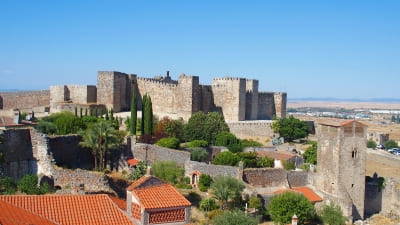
[[235, 217], [249, 159], [168, 143], [391, 144], [283, 206], [290, 128], [139, 171], [207, 204], [194, 198], [168, 171], [205, 181], [211, 215], [310, 155], [332, 215], [67, 123], [288, 165], [228, 140], [371, 144], [250, 143], [255, 202], [305, 167], [226, 158], [46, 127], [198, 154], [7, 186], [29, 185], [266, 162], [198, 143]]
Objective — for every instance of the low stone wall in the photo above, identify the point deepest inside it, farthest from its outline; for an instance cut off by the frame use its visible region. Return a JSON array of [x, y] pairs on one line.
[[81, 181], [265, 177], [297, 178], [152, 153], [258, 129], [24, 99], [212, 170]]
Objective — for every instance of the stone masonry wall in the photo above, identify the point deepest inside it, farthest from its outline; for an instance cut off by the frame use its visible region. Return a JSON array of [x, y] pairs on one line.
[[391, 198], [212, 170], [252, 129], [266, 177], [24, 99], [152, 153], [280, 100], [266, 105], [297, 178]]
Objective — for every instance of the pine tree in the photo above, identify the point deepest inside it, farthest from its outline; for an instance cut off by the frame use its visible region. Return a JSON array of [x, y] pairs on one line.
[[133, 114]]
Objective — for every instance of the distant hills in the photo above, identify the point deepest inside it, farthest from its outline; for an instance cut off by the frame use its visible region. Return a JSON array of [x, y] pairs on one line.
[[383, 100]]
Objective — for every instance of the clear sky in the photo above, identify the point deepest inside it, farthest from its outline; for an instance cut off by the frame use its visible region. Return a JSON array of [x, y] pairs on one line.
[[343, 49]]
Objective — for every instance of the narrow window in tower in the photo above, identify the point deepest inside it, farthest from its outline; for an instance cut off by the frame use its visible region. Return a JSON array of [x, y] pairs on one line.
[[354, 153]]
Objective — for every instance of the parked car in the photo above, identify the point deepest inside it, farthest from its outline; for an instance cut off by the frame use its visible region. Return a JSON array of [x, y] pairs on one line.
[[397, 153], [393, 150]]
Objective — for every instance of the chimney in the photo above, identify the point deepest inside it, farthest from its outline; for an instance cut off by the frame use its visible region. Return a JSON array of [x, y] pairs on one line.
[[294, 219], [17, 116], [148, 171]]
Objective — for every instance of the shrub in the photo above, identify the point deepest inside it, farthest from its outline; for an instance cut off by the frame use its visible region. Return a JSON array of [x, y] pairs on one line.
[[266, 162], [391, 144], [226, 158], [283, 206], [305, 167], [332, 214], [198, 154], [168, 143], [7, 186], [193, 197], [371, 144], [211, 215], [255, 202], [288, 165], [46, 127], [168, 171], [250, 143], [235, 217], [206, 127], [29, 185], [139, 171], [198, 143], [207, 204], [228, 140], [249, 159], [310, 155], [205, 181], [67, 123]]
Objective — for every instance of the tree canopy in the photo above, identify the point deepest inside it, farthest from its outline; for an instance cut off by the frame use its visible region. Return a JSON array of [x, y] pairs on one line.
[[205, 127], [332, 214], [371, 144], [235, 217], [133, 119], [290, 128], [310, 155], [225, 188], [283, 206], [391, 144], [226, 158], [168, 171]]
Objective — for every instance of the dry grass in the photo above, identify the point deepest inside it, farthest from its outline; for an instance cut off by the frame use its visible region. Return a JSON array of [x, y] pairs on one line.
[[382, 220]]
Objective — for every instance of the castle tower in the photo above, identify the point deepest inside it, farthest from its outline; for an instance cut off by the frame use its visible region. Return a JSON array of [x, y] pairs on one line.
[[251, 99], [230, 97], [280, 100], [189, 94], [341, 164], [113, 90]]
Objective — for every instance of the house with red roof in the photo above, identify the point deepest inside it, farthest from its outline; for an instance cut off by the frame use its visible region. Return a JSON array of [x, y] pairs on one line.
[[151, 200], [307, 192]]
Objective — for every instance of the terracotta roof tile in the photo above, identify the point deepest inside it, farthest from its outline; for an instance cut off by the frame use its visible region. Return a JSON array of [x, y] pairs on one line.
[[71, 209], [13, 215], [276, 155], [154, 193], [307, 192], [133, 162]]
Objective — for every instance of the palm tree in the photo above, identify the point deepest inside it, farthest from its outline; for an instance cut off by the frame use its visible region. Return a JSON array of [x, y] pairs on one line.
[[100, 138]]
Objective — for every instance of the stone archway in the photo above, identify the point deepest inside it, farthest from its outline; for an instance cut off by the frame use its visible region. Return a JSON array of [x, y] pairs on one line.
[[194, 178]]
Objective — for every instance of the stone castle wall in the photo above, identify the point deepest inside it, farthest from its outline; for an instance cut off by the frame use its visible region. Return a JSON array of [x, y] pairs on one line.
[[152, 153], [257, 129], [265, 177], [266, 105], [24, 99]]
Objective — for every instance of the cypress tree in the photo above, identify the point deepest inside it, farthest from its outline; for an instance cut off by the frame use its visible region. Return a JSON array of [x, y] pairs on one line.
[[76, 111], [133, 119], [80, 112], [111, 114], [107, 118], [96, 113], [148, 116], [86, 112], [144, 99]]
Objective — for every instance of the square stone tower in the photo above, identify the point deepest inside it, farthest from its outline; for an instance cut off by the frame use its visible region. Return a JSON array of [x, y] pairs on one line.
[[341, 164]]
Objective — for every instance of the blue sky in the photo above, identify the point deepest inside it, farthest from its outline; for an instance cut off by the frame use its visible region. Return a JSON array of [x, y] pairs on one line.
[[342, 49]]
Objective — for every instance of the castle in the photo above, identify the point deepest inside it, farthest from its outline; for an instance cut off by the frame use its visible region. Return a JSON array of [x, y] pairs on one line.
[[237, 99]]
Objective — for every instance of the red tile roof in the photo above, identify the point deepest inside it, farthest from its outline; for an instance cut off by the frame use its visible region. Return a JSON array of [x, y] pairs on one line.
[[154, 193], [307, 192], [276, 155], [71, 209], [13, 215], [133, 162]]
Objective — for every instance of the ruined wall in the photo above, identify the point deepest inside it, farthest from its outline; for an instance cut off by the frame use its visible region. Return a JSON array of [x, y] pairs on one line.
[[391, 198], [81, 181], [266, 106], [230, 97], [212, 170], [26, 152], [152, 153], [24, 99], [265, 177], [257, 129]]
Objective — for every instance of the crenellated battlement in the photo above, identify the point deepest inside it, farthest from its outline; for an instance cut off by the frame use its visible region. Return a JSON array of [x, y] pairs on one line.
[[157, 82], [227, 78]]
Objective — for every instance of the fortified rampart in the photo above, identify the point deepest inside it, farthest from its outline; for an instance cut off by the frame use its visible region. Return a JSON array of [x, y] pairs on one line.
[[212, 170], [152, 153], [258, 129], [24, 100]]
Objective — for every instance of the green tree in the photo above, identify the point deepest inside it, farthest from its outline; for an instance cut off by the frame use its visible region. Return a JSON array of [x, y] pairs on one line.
[[80, 112], [332, 214], [101, 138], [226, 158], [290, 128], [235, 217], [283, 206], [86, 112], [206, 127], [207, 204], [198, 143], [288, 165], [174, 128], [132, 124], [255, 202], [391, 144], [168, 143], [205, 181], [67, 123], [29, 185], [168, 171], [139, 171], [249, 159], [371, 144], [76, 111], [147, 116], [1, 149], [266, 162], [198, 154], [194, 129], [250, 143], [225, 188], [310, 155], [228, 140]]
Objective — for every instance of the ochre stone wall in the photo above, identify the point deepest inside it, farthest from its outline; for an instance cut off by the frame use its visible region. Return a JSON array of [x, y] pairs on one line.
[[212, 170], [256, 129], [266, 177], [152, 153], [24, 99], [266, 105]]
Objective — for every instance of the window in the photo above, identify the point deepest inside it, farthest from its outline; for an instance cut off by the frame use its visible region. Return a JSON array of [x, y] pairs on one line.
[[354, 153]]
